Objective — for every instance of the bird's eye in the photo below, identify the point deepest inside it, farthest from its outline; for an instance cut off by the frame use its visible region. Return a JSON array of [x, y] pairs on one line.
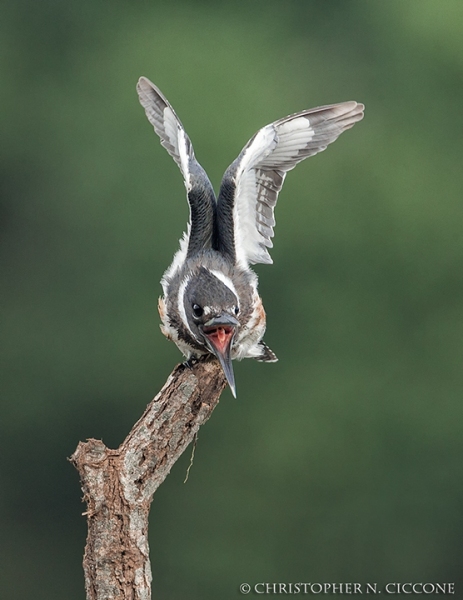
[[237, 310], [198, 310]]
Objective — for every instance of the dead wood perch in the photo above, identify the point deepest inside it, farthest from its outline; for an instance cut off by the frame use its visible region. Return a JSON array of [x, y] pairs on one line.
[[118, 485]]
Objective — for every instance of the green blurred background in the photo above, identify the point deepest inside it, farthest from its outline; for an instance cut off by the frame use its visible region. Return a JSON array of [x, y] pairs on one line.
[[343, 461]]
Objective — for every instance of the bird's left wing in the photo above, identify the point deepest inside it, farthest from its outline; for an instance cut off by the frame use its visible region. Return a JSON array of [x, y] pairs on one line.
[[250, 187], [175, 140]]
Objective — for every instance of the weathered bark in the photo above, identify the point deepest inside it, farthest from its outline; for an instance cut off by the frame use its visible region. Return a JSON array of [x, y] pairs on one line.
[[118, 485]]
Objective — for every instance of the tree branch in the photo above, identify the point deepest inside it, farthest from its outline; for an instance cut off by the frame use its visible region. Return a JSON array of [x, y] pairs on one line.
[[118, 485]]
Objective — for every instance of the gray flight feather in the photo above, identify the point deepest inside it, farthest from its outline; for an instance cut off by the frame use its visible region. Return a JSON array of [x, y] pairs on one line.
[[251, 184], [173, 137]]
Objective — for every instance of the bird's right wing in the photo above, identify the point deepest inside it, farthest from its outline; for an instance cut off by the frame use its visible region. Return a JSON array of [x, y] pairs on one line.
[[251, 184], [173, 137]]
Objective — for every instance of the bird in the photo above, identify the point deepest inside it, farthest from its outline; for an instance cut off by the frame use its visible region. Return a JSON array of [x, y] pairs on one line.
[[210, 303]]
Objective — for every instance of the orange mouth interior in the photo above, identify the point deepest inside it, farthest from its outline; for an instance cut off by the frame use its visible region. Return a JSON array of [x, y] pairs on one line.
[[219, 336]]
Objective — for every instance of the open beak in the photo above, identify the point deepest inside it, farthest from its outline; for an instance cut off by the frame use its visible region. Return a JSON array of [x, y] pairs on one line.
[[219, 333]]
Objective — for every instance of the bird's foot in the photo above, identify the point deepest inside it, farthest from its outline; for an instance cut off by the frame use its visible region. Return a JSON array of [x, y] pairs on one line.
[[191, 362]]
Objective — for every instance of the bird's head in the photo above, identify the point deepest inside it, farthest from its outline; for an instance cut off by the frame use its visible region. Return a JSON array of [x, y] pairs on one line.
[[211, 308]]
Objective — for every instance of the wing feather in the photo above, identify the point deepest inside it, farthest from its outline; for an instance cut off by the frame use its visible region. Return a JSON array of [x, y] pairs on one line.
[[257, 175], [175, 140]]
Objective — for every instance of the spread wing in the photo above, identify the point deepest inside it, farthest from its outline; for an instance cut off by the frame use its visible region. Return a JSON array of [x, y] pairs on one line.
[[173, 137], [250, 186]]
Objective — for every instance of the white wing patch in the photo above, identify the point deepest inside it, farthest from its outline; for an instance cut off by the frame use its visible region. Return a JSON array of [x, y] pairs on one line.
[[184, 158], [247, 237], [291, 136], [262, 144], [171, 127]]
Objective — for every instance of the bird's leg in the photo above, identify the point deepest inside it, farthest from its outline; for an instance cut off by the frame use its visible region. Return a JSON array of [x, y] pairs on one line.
[[194, 360], [191, 362]]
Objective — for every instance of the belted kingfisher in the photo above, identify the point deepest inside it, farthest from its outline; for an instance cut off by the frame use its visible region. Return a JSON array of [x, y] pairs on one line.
[[211, 304]]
